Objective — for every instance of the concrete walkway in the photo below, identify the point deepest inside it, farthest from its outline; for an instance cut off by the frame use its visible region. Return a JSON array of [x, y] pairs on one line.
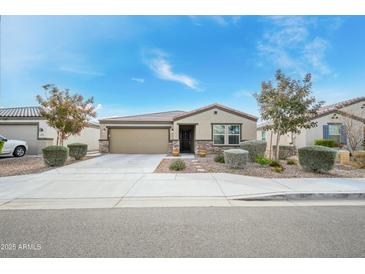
[[112, 180]]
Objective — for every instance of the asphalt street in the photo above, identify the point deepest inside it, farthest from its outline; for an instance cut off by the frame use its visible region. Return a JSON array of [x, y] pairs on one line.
[[310, 231]]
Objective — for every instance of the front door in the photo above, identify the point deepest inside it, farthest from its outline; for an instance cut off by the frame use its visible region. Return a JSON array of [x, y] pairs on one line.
[[186, 139]]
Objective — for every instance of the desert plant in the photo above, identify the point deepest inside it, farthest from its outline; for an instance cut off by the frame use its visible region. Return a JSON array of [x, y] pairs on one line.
[[2, 142], [219, 158], [77, 150], [317, 158], [255, 148], [262, 160], [325, 142], [177, 165], [55, 155], [235, 158], [278, 169], [290, 162], [274, 163]]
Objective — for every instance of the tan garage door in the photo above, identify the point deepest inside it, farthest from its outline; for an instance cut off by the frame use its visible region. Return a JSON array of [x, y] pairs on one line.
[[139, 140], [28, 133]]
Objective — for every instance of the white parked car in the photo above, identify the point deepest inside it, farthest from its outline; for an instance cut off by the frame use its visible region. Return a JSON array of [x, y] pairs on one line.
[[17, 148]]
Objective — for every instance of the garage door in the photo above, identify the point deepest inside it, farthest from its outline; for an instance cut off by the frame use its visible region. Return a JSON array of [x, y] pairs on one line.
[[139, 140], [28, 133]]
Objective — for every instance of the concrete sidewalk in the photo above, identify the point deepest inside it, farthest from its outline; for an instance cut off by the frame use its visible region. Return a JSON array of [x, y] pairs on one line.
[[61, 188]]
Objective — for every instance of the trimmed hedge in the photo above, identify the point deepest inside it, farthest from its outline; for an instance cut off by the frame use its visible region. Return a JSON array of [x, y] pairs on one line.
[[255, 148], [285, 151], [235, 158], [1, 145], [317, 158], [325, 142], [77, 150], [55, 155]]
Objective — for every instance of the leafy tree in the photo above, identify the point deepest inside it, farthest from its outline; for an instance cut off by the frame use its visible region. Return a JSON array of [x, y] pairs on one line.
[[288, 106], [68, 114]]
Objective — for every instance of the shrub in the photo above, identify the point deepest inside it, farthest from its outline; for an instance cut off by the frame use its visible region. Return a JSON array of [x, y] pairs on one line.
[[262, 160], [317, 158], [77, 150], [278, 169], [290, 162], [255, 148], [55, 155], [177, 165], [285, 151], [1, 145], [219, 158], [274, 163], [325, 142], [235, 158]]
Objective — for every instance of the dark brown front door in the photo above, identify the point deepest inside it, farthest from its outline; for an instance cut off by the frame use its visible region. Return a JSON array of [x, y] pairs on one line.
[[186, 139]]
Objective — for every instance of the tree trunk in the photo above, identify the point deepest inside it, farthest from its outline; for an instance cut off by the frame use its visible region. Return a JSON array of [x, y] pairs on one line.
[[58, 138], [270, 151], [277, 147]]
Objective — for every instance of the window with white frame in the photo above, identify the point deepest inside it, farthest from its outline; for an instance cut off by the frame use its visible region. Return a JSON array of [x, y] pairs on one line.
[[226, 134], [334, 132]]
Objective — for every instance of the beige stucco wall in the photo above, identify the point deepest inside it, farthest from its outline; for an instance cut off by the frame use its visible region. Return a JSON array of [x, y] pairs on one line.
[[204, 121]]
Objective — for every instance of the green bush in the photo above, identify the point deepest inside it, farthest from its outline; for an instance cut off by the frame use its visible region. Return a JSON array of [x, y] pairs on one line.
[[274, 163], [262, 160], [1, 145], [177, 165], [325, 142], [55, 155], [290, 162], [317, 158], [219, 158], [235, 158], [278, 169], [285, 151], [77, 150], [255, 148]]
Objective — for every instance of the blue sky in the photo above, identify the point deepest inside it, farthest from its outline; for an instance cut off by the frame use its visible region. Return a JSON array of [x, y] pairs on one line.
[[139, 64]]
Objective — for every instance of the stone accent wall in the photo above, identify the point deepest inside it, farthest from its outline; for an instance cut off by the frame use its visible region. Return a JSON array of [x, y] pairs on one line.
[[103, 146], [211, 149], [173, 144]]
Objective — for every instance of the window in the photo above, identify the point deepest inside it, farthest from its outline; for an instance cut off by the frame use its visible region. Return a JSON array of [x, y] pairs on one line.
[[334, 132], [263, 135], [226, 134]]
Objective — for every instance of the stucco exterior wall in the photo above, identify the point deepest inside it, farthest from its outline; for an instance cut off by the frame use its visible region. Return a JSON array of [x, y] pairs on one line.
[[204, 121]]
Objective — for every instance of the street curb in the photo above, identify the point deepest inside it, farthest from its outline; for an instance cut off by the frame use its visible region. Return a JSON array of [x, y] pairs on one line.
[[302, 196]]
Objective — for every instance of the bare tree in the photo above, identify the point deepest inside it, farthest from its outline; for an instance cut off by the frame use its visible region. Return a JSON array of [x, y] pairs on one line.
[[354, 128]]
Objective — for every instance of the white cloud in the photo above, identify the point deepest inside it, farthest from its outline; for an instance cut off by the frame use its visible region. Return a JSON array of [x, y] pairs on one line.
[[138, 80], [99, 107], [243, 93], [78, 70], [220, 20], [289, 44], [159, 64]]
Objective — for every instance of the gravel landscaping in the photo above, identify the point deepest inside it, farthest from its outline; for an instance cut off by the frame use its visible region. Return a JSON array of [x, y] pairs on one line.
[[254, 169], [10, 166]]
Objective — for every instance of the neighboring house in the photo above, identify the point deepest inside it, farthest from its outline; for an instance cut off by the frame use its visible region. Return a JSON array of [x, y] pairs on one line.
[[330, 125], [213, 127], [26, 123]]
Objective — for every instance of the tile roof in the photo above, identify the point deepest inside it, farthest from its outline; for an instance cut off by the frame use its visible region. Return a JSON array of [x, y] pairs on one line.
[[20, 112], [166, 116]]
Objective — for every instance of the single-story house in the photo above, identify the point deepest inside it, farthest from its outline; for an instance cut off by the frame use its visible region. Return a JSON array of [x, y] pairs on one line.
[[330, 125], [27, 124], [213, 127]]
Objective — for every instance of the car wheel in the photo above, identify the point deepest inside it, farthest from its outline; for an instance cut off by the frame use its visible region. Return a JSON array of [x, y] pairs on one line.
[[19, 151]]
